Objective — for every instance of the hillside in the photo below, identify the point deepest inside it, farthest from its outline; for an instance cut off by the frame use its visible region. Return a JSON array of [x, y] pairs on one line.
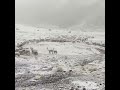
[[78, 59]]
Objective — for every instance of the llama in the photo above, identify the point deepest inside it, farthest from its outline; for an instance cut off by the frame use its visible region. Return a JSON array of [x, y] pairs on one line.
[[55, 51], [34, 52], [27, 51], [50, 51]]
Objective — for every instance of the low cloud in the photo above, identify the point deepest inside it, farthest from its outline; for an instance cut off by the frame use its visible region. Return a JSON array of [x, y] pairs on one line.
[[57, 12]]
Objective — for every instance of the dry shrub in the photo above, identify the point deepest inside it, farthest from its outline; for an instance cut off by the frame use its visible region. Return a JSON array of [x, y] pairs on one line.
[[59, 69], [17, 29], [52, 78], [91, 70]]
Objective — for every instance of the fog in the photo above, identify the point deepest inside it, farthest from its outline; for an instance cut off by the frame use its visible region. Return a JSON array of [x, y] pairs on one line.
[[64, 13]]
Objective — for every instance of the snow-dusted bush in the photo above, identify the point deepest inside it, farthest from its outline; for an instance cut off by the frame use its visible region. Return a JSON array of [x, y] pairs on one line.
[[51, 78], [17, 29]]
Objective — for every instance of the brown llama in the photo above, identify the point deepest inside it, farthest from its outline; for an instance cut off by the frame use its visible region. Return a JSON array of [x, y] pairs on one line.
[[54, 51], [50, 51], [34, 52]]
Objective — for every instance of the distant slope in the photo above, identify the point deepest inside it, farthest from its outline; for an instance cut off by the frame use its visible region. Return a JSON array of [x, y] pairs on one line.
[[94, 20]]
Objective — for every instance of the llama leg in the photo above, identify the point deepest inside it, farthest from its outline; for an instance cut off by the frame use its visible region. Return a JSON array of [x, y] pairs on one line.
[[49, 52]]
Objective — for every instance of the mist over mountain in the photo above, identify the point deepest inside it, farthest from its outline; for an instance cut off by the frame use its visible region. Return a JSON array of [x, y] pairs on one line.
[[74, 14]]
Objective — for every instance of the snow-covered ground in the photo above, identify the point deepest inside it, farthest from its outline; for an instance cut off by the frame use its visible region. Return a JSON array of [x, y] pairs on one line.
[[85, 57]]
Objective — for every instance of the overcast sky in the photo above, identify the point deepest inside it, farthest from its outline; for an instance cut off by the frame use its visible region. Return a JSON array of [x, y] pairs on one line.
[[58, 12]]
